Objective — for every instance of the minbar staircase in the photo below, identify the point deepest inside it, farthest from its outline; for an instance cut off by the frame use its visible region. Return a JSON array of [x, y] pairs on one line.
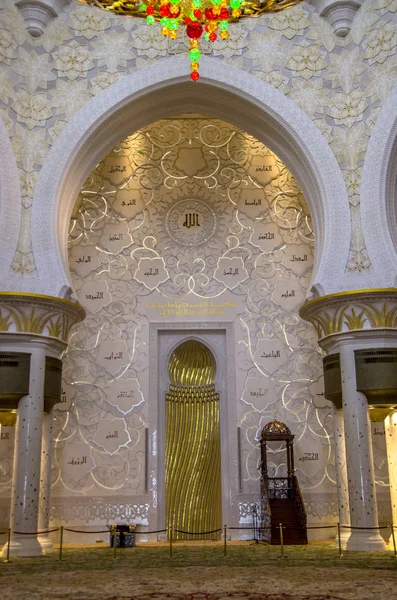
[[282, 503]]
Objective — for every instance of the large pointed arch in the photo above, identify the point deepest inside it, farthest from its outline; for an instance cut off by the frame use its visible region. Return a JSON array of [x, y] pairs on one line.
[[161, 91], [379, 195], [10, 208]]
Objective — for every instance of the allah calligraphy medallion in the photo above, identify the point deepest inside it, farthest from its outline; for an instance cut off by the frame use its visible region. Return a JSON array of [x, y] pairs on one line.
[[190, 222]]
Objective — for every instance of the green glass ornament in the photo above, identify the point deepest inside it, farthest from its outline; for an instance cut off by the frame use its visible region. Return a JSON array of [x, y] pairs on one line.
[[194, 54]]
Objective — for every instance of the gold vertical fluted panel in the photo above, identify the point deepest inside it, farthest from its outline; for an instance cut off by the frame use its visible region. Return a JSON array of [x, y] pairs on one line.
[[193, 474], [192, 364]]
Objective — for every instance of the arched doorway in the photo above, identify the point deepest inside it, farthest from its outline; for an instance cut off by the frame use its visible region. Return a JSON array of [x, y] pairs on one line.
[[192, 461]]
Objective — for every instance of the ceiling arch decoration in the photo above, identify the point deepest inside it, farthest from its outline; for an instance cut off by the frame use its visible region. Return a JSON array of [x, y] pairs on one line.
[[340, 14], [204, 21], [142, 98]]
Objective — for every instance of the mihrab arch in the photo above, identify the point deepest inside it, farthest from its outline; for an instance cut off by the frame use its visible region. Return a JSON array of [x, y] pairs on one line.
[[160, 91]]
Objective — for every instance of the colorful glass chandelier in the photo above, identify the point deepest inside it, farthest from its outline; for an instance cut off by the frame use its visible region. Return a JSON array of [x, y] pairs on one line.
[[208, 19]]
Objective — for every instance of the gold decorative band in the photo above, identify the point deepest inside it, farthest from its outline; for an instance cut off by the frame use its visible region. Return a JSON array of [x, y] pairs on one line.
[[351, 311], [352, 293], [22, 295]]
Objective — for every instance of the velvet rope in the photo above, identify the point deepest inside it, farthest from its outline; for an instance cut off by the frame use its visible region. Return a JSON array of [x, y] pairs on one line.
[[322, 526], [77, 531], [35, 532], [197, 532], [150, 532], [248, 528], [365, 528]]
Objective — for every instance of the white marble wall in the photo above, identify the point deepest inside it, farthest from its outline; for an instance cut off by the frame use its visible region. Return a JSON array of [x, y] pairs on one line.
[[139, 256], [189, 221]]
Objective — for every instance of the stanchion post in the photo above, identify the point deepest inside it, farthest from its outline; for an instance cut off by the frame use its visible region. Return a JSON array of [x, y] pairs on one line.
[[281, 540], [394, 540], [7, 558], [339, 542], [60, 544], [114, 543], [171, 532], [224, 540]]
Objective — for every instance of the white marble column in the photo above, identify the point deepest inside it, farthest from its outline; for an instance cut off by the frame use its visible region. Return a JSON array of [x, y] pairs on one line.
[[391, 446], [45, 481], [360, 470], [341, 474], [39, 325], [27, 460]]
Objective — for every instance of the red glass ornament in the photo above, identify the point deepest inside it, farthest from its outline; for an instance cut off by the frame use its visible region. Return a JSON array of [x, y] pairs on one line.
[[150, 10], [209, 14], [212, 37], [206, 28], [197, 14], [165, 10], [194, 75], [194, 30], [224, 14], [188, 20]]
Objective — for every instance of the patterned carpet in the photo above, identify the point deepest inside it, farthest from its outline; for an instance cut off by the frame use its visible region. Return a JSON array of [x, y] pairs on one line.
[[222, 596]]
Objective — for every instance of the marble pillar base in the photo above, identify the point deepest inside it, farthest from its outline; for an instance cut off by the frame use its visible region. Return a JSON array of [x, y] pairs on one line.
[[26, 546], [344, 537], [46, 544], [361, 541]]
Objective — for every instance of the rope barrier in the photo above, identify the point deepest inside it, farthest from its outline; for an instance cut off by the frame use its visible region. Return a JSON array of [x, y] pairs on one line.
[[249, 528], [77, 531], [171, 531], [197, 532], [365, 528], [322, 526], [35, 532], [150, 532]]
